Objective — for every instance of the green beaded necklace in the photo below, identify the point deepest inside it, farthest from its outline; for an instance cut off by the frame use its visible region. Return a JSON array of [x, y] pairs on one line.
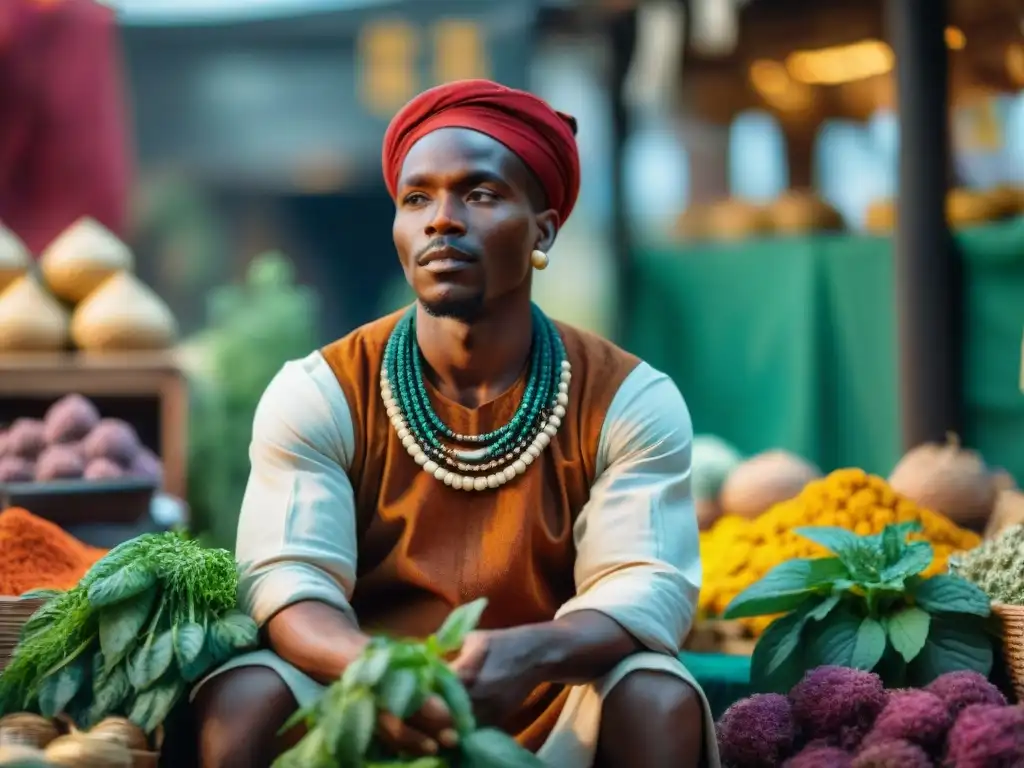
[[475, 462]]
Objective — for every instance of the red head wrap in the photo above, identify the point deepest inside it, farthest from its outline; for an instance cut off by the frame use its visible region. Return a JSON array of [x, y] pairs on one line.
[[545, 140]]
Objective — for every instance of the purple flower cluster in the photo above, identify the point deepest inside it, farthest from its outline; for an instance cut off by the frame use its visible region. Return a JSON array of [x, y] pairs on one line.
[[844, 718]]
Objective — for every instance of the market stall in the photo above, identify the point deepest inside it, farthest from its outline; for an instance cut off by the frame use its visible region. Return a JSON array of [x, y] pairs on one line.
[[791, 342], [93, 407]]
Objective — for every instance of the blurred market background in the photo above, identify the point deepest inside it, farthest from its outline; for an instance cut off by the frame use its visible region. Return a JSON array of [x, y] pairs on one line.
[[737, 225]]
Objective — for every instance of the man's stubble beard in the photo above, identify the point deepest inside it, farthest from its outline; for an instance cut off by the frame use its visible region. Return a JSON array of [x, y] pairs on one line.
[[465, 310]]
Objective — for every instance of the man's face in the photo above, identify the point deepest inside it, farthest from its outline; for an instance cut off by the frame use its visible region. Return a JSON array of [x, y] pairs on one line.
[[466, 221]]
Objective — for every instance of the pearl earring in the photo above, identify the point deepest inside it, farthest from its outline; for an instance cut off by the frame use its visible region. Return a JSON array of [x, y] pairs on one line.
[[539, 259]]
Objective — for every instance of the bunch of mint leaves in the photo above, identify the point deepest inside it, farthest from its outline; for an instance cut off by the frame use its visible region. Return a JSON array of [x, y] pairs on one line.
[[397, 676], [866, 607]]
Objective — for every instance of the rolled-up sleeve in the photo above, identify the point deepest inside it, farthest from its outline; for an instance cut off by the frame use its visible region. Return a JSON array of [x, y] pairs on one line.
[[638, 551], [297, 529]]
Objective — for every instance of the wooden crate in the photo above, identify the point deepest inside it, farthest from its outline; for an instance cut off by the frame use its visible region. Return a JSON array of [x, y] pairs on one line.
[[149, 390]]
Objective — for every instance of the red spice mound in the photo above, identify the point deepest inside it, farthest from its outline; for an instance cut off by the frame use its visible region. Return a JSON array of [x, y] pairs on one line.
[[37, 554]]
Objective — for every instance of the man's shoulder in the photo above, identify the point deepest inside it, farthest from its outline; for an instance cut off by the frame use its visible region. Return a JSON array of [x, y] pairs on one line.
[[368, 339], [595, 357], [356, 357]]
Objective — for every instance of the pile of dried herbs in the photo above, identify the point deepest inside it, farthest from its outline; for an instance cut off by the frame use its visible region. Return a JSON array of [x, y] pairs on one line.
[[997, 566], [153, 616], [397, 677]]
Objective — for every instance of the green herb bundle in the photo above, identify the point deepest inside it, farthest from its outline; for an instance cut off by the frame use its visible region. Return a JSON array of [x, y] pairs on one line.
[[154, 615], [867, 608], [397, 677]]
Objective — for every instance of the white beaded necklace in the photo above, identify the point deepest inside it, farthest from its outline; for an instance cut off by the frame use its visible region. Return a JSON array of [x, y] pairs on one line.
[[515, 462]]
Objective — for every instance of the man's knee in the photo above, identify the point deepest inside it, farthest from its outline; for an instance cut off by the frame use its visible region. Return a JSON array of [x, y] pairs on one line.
[[239, 715], [647, 693], [651, 719]]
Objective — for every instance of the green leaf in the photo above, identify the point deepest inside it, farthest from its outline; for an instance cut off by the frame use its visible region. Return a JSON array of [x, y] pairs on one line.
[[824, 608], [311, 752], [349, 728], [58, 689], [451, 689], [869, 645], [951, 594], [121, 625], [151, 661], [398, 692], [129, 581], [189, 639], [953, 643], [775, 646], [491, 748], [108, 695], [301, 716], [41, 619], [893, 544], [202, 664], [368, 669], [459, 623], [908, 631], [839, 541], [151, 708], [916, 557], [40, 594], [785, 587], [232, 633], [833, 641]]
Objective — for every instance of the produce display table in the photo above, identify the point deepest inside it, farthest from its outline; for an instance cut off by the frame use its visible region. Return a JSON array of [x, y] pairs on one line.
[[724, 678], [791, 343], [146, 389]]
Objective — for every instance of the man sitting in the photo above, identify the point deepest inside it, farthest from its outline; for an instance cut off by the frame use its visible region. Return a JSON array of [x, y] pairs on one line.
[[471, 447]]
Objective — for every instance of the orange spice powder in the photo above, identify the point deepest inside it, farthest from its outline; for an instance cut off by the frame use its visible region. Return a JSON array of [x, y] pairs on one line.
[[37, 554]]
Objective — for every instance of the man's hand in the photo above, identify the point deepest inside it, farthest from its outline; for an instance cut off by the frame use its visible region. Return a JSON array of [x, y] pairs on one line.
[[497, 667], [422, 734]]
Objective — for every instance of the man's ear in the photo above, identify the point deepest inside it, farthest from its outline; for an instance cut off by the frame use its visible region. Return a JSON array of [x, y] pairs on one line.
[[547, 223]]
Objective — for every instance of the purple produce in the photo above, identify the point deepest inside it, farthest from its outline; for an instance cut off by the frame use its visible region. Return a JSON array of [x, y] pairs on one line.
[[916, 716], [962, 688], [102, 469], [817, 755], [756, 732], [894, 753], [112, 439], [59, 462], [14, 469], [987, 735], [26, 439], [838, 704], [70, 419], [147, 465]]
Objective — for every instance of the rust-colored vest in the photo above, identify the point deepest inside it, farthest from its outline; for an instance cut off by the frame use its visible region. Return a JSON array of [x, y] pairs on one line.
[[425, 547]]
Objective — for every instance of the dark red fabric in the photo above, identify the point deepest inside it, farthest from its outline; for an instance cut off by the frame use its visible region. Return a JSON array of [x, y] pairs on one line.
[[543, 137], [63, 130]]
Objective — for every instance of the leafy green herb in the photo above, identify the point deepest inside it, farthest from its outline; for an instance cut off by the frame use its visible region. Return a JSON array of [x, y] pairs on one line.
[[397, 677], [131, 636], [866, 607]]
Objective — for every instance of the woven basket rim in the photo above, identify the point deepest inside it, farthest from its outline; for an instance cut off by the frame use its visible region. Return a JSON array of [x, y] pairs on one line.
[[1007, 609], [16, 600]]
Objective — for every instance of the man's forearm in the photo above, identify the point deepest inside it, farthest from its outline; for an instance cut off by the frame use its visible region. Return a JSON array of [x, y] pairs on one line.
[[576, 648], [316, 639]]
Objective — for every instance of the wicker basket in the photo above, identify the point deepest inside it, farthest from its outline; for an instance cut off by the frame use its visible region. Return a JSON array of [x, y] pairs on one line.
[[1012, 617], [14, 612]]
